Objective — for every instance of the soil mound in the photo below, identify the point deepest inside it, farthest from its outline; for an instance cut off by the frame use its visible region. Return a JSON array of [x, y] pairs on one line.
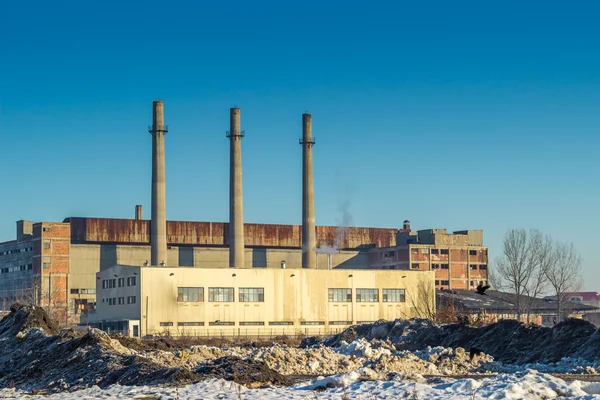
[[508, 341], [251, 373], [35, 356]]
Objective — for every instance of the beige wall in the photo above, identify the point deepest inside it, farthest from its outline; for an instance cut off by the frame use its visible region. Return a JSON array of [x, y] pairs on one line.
[[290, 295]]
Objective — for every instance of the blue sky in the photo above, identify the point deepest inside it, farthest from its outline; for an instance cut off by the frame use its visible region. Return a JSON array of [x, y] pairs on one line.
[[464, 115]]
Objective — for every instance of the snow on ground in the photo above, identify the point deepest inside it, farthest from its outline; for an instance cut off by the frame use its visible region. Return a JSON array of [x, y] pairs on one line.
[[529, 384]]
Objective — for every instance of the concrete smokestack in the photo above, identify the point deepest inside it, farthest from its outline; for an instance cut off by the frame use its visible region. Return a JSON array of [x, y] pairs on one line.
[[158, 224], [309, 241], [138, 212], [236, 200]]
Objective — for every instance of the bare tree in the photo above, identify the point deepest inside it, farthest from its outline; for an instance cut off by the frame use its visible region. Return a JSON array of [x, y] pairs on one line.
[[564, 274], [521, 268], [422, 300]]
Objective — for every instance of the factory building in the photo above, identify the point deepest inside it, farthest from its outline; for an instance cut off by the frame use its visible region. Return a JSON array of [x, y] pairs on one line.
[[139, 301], [459, 259], [65, 265]]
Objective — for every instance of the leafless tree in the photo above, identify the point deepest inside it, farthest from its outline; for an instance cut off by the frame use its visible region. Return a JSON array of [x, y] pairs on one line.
[[564, 274], [422, 300], [521, 268]]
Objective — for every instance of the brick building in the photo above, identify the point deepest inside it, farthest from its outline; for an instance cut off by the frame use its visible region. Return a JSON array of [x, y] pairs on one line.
[[35, 267], [459, 259]]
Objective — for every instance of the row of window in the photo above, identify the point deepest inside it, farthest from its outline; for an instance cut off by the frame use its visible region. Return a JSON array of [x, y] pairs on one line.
[[446, 266], [23, 267], [83, 291], [367, 295], [257, 295], [113, 283], [112, 301], [15, 251], [196, 294], [481, 267], [442, 282], [254, 323]]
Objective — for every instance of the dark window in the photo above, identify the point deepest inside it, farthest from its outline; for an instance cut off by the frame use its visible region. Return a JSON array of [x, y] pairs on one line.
[[312, 323], [414, 266], [121, 300], [394, 295], [434, 251], [472, 252], [251, 295], [473, 266], [483, 266], [190, 294], [340, 295], [221, 323], [445, 282], [131, 281], [190, 324], [437, 282], [166, 324], [276, 323], [251, 323], [130, 299], [444, 266], [121, 282], [367, 295], [444, 251], [220, 294], [435, 266]]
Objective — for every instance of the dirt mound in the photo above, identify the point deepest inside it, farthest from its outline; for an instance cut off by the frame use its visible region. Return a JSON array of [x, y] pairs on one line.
[[251, 373], [23, 317], [34, 357], [507, 340]]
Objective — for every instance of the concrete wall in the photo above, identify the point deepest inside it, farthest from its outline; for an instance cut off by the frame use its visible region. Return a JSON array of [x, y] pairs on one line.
[[295, 296], [87, 259]]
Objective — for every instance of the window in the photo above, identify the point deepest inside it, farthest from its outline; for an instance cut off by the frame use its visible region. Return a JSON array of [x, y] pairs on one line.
[[46, 229], [340, 322], [483, 266], [425, 251], [444, 251], [367, 295], [435, 266], [278, 323], [312, 323], [472, 252], [190, 324], [444, 266], [46, 265], [220, 294], [74, 291], [131, 281], [255, 295], [394, 295], [340, 295], [434, 251], [46, 244], [104, 285], [221, 323], [112, 301], [121, 300], [251, 323], [437, 282], [473, 266], [130, 299], [414, 266], [445, 282], [121, 282], [166, 324], [190, 294]]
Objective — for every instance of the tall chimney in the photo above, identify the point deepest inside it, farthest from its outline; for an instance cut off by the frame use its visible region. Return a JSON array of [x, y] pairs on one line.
[[158, 224], [138, 212], [309, 242], [236, 200]]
